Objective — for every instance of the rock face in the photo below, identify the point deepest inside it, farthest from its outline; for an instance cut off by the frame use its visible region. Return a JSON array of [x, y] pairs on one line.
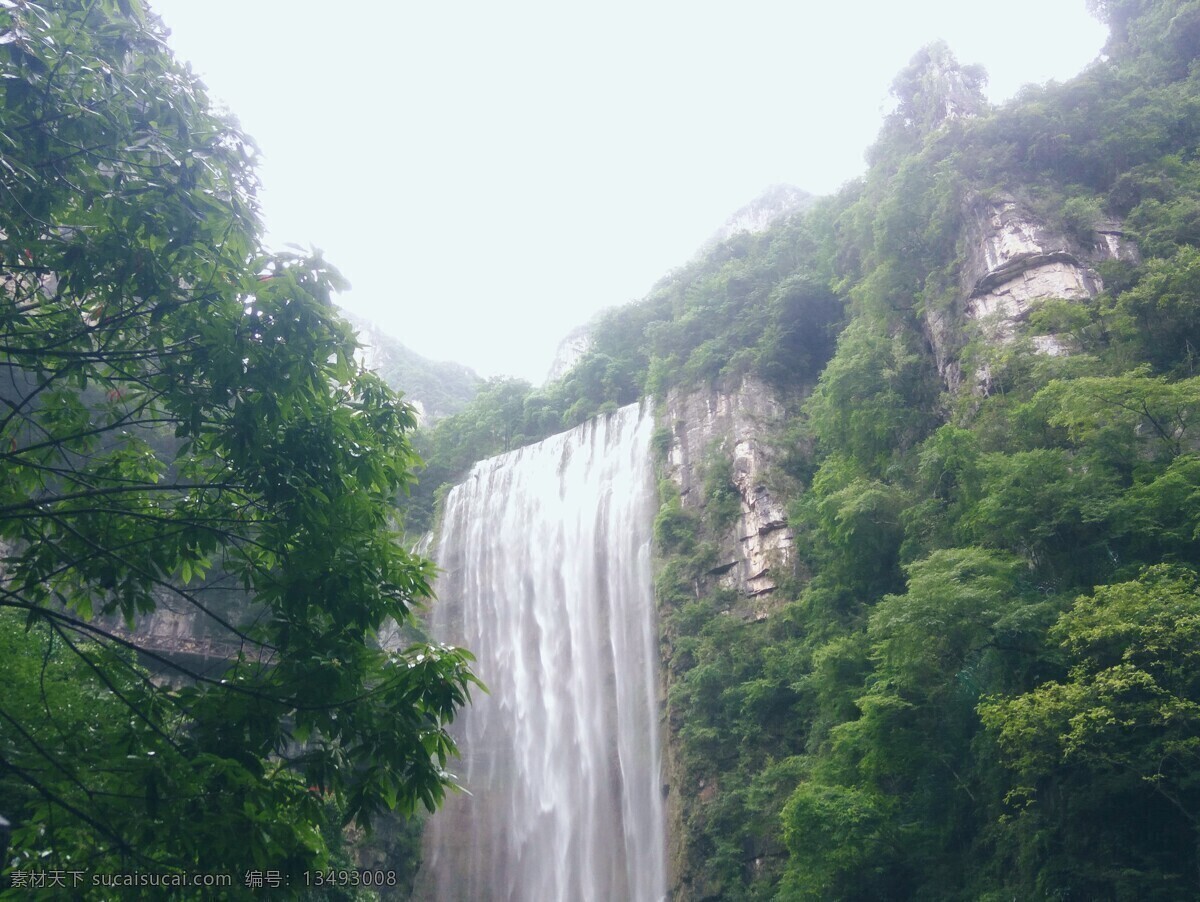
[[574, 345], [774, 204], [1014, 261], [734, 424], [193, 619]]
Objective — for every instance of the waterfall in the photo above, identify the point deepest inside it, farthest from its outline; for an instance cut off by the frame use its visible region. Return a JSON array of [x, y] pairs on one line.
[[545, 553]]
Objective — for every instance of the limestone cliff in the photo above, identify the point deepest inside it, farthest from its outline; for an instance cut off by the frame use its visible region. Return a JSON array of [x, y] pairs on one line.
[[570, 351], [1013, 260], [734, 423]]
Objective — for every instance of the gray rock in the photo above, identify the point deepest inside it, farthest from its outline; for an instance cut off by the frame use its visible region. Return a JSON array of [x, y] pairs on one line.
[[1014, 261], [738, 421]]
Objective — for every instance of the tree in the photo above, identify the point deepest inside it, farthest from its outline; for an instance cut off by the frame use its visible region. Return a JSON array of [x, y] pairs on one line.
[[180, 410], [1105, 760]]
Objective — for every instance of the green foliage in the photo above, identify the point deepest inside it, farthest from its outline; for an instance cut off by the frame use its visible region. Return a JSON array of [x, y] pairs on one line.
[[178, 410], [442, 388], [1120, 732], [675, 530], [504, 414], [1108, 414], [1159, 316], [858, 525], [954, 600], [722, 501], [838, 838], [1080, 216], [874, 397], [934, 87]]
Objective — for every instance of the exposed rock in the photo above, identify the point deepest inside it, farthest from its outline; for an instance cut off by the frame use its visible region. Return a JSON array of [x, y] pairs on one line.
[[1000, 310], [1014, 261], [934, 89], [775, 203], [192, 622], [574, 345], [736, 422]]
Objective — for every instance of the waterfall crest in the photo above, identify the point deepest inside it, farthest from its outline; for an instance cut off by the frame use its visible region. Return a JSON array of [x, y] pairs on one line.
[[546, 578]]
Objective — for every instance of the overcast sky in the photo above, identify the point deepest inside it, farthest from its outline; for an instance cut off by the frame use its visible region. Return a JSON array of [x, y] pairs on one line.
[[489, 175]]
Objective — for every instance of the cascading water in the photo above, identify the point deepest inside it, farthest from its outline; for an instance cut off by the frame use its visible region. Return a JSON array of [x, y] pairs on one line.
[[546, 577]]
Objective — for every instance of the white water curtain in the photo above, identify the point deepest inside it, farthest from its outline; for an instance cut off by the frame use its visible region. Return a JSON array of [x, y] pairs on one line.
[[547, 579]]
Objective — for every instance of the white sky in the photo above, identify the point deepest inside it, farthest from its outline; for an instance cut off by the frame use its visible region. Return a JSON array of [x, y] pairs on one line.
[[489, 175]]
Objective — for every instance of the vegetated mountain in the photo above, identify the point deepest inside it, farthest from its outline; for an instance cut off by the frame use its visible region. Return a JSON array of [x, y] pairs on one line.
[[959, 398], [570, 349], [775, 203], [435, 388]]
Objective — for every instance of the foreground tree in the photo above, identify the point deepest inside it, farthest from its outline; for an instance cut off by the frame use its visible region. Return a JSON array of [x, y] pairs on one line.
[[179, 410]]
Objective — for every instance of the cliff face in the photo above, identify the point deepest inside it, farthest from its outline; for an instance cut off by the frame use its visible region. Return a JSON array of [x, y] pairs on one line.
[[721, 430], [1014, 261], [734, 424], [774, 204], [570, 351]]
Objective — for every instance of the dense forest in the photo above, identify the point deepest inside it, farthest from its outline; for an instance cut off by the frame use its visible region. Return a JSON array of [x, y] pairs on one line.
[[979, 676]]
